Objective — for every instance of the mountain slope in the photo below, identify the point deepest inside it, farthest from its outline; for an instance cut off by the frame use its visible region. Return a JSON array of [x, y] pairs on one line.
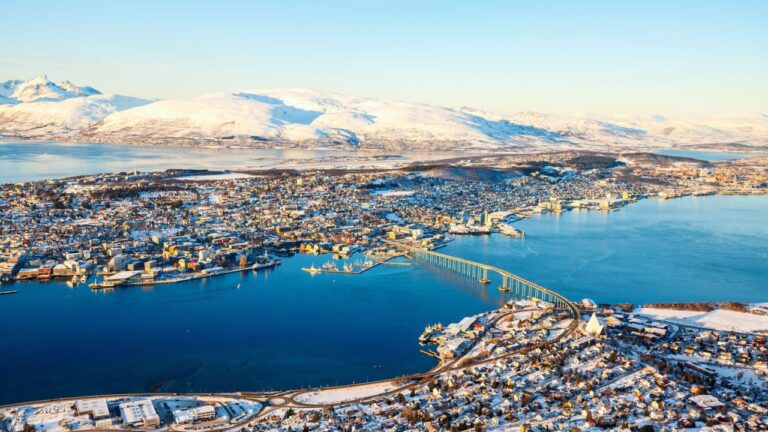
[[40, 88], [52, 119], [41, 109], [308, 116]]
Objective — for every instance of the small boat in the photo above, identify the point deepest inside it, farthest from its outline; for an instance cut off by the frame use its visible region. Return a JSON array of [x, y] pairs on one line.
[[349, 268], [237, 286], [7, 292]]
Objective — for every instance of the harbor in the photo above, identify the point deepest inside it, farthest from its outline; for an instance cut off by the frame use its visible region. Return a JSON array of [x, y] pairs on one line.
[[127, 279], [347, 268]]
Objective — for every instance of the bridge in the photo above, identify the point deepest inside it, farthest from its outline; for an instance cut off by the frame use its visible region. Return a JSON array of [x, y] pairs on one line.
[[518, 287]]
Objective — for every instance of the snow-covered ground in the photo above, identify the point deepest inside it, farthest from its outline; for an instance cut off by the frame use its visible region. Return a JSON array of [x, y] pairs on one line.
[[717, 319], [223, 176], [347, 393], [390, 192], [290, 118]]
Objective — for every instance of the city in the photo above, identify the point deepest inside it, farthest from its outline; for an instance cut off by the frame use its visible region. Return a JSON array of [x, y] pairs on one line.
[[540, 362], [150, 228], [400, 216]]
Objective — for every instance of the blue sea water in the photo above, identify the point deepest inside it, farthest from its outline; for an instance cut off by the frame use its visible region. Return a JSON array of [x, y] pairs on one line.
[[286, 328]]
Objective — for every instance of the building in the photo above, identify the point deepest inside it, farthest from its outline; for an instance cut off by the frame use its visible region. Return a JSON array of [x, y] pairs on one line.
[[96, 408], [139, 413], [594, 327], [201, 413]]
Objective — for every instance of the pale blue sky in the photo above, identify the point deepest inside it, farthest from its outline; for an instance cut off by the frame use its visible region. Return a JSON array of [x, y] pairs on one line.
[[666, 57]]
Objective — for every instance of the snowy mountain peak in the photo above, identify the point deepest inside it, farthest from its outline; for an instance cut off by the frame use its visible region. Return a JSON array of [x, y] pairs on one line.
[[40, 88], [306, 118]]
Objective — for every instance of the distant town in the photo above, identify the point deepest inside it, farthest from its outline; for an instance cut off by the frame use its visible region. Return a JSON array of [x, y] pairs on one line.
[[540, 362], [137, 228]]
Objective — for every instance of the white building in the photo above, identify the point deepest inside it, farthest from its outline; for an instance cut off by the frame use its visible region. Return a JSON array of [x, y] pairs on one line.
[[594, 327], [139, 413], [201, 413], [95, 408]]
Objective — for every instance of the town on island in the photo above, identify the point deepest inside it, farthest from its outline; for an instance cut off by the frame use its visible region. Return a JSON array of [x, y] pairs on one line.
[[538, 362]]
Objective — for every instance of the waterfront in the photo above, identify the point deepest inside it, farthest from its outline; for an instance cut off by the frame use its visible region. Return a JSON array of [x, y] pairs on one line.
[[33, 161], [287, 329], [690, 249]]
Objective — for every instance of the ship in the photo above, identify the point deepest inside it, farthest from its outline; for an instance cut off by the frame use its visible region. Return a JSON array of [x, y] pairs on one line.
[[101, 285], [509, 230], [312, 269], [264, 265]]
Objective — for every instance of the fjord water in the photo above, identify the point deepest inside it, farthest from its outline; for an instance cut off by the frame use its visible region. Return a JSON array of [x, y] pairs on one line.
[[287, 329], [33, 161], [707, 155]]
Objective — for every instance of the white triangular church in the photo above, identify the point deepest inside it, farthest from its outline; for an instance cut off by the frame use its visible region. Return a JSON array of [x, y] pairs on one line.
[[594, 327]]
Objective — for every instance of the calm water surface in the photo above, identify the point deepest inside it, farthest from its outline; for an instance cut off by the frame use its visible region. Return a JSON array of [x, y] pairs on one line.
[[31, 161], [707, 155], [286, 328]]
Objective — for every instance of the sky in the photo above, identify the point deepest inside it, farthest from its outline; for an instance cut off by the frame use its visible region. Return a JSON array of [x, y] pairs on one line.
[[633, 57]]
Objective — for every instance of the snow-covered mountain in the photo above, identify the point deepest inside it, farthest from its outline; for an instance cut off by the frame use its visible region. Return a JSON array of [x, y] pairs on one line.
[[40, 108], [308, 118], [40, 88]]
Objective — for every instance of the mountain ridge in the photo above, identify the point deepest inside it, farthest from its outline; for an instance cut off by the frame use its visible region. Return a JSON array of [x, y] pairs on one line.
[[295, 117]]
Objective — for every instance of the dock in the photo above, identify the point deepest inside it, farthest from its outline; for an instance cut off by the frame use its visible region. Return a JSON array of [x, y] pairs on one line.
[[317, 270], [254, 267]]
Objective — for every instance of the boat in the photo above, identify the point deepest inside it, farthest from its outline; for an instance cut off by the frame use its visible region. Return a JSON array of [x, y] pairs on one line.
[[312, 269], [264, 262], [237, 286], [7, 292], [264, 265], [349, 268], [330, 266]]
